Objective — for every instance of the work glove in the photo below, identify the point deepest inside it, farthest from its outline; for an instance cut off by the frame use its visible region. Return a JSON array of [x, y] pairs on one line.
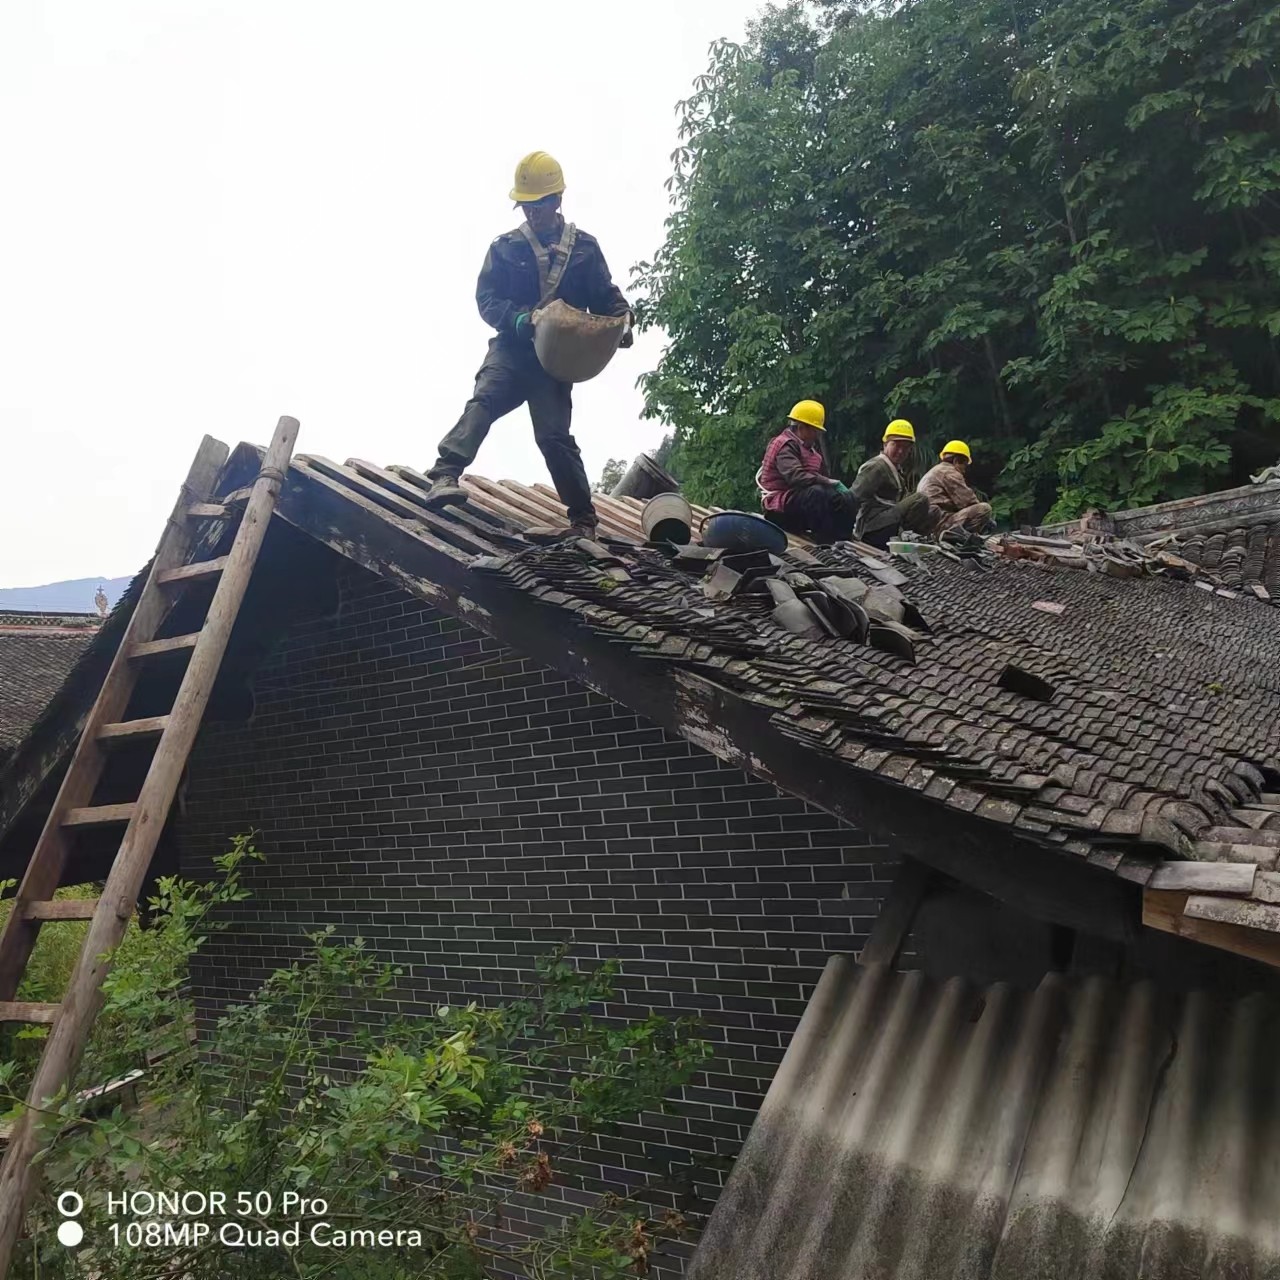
[[841, 487], [524, 325], [629, 337]]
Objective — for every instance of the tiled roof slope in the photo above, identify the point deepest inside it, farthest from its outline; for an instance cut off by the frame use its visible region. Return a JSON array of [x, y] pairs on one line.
[[37, 651], [1162, 729], [921, 1130], [1159, 743], [1161, 739]]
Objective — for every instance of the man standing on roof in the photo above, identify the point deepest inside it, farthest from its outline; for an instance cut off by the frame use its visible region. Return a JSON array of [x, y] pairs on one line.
[[884, 506], [795, 490], [949, 494], [542, 259]]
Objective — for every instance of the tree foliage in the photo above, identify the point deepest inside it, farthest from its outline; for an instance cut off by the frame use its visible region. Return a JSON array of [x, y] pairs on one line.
[[612, 471], [1051, 227], [319, 1088]]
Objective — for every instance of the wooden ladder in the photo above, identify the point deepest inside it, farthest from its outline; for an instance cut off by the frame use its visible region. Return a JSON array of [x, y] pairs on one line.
[[143, 820]]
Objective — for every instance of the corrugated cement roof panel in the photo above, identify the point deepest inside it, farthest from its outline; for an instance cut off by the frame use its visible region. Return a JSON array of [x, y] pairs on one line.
[[925, 1130]]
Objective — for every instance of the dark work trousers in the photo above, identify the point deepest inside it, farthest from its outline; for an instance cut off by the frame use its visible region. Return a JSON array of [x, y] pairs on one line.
[[885, 523], [821, 511], [509, 377]]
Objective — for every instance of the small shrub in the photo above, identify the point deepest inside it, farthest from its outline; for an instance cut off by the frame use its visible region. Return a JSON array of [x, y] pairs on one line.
[[318, 1089]]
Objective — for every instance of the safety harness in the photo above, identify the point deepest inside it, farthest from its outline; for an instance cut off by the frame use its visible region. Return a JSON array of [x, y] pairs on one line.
[[551, 262]]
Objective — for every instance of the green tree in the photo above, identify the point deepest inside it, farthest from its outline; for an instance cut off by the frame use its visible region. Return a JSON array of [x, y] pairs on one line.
[[614, 470], [318, 1088], [1051, 227], [665, 455]]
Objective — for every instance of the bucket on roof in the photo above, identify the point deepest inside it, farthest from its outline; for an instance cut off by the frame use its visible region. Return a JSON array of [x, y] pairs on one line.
[[667, 517], [644, 478], [573, 345]]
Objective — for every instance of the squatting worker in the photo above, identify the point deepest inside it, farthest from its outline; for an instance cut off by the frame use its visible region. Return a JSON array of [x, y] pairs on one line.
[[948, 492], [795, 489], [884, 506], [543, 258]]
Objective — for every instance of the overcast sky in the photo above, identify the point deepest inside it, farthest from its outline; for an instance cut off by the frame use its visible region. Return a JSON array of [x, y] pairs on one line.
[[215, 213]]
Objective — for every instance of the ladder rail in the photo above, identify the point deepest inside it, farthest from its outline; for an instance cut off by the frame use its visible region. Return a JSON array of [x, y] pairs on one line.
[[70, 1031], [44, 870]]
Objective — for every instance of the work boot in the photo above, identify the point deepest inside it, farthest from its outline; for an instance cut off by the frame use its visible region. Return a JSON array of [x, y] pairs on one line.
[[584, 528], [445, 491]]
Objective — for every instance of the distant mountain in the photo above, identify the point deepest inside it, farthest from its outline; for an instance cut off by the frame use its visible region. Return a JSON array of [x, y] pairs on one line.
[[75, 596]]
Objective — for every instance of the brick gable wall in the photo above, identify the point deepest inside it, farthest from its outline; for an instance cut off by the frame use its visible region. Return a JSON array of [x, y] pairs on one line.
[[466, 811]]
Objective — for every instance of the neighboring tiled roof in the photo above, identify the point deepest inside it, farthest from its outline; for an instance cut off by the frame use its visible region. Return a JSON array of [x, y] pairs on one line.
[[1161, 736], [37, 651], [1226, 509], [921, 1130], [35, 620]]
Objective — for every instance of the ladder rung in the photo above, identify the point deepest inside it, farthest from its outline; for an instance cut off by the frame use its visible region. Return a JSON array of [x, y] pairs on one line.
[[100, 815], [209, 511], [61, 909], [151, 647], [20, 1011], [152, 727], [194, 572]]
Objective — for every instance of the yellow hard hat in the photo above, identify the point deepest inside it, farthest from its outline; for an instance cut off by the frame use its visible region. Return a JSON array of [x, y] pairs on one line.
[[901, 429], [810, 412], [537, 175], [956, 446]]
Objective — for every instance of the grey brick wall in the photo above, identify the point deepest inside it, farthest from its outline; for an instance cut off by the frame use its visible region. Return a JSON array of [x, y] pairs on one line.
[[465, 811]]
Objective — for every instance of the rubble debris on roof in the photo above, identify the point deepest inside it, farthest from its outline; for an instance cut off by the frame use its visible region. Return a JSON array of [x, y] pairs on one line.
[[1231, 538], [927, 1130], [1246, 566], [37, 651]]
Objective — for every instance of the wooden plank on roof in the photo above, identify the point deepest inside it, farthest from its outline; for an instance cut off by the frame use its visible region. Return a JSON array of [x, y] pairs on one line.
[[486, 515], [412, 487], [447, 530], [625, 517], [549, 501], [512, 497], [407, 524]]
